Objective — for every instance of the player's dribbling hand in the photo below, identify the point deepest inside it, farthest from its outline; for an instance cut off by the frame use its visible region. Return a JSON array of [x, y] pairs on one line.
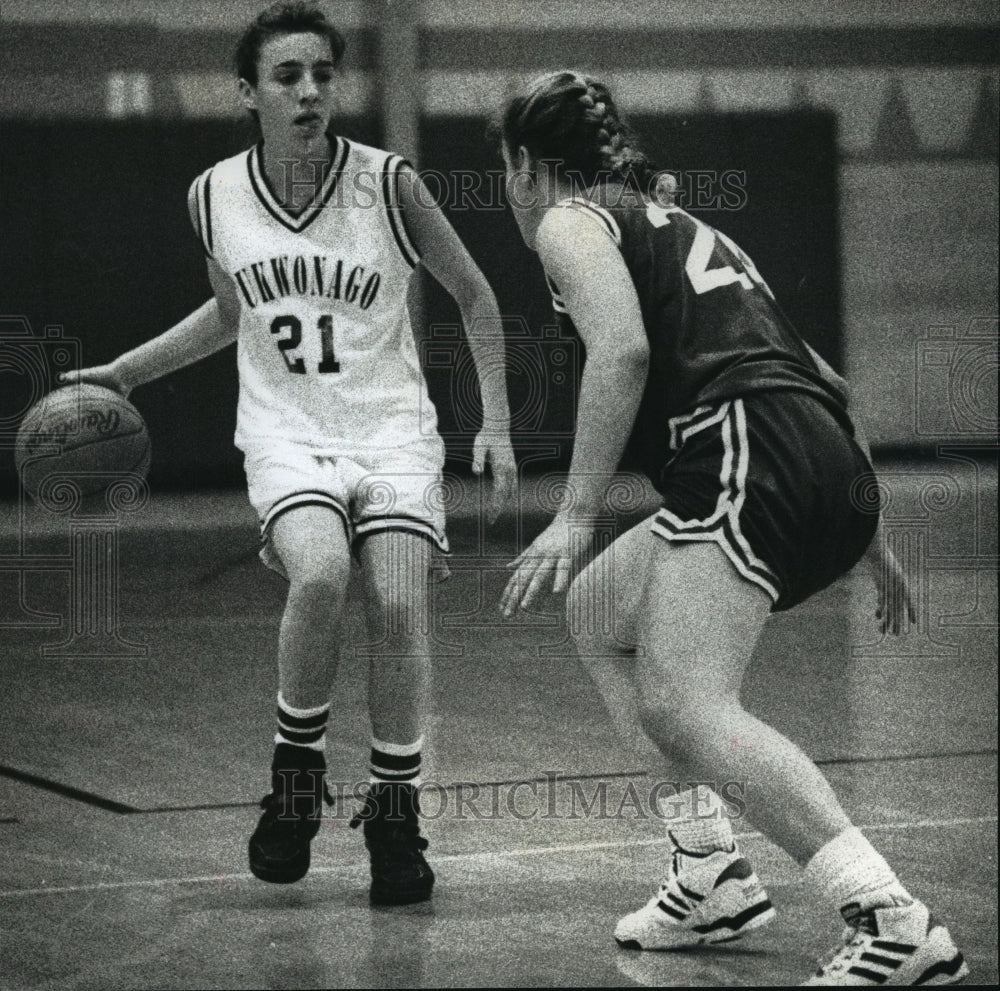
[[105, 375], [548, 558], [496, 448]]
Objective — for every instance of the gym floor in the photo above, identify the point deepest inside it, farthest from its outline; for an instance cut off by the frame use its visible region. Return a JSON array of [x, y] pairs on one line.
[[129, 784]]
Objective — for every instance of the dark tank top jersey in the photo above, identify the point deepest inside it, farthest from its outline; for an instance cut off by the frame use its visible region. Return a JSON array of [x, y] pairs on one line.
[[715, 331]]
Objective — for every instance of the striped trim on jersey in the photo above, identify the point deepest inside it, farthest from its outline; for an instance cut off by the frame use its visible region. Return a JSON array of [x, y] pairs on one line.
[[722, 526], [296, 222], [683, 426], [598, 214], [401, 524], [203, 211], [557, 301], [397, 221], [305, 498]]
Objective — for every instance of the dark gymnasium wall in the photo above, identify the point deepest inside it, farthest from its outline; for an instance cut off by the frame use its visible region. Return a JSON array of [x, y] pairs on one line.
[[96, 239]]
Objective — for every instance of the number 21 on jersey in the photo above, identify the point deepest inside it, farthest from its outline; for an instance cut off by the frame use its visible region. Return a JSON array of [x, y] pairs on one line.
[[287, 345], [704, 279]]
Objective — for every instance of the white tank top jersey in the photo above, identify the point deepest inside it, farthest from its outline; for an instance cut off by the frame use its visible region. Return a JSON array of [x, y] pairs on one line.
[[325, 348]]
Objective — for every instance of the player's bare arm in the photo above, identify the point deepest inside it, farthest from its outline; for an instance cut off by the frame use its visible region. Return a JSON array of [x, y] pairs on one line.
[[599, 294], [203, 332], [445, 257]]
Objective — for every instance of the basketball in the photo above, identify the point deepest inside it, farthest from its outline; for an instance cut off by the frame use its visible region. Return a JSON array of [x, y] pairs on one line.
[[87, 433]]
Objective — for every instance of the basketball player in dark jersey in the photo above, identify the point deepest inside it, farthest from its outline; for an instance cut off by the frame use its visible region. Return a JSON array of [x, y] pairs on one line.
[[695, 376]]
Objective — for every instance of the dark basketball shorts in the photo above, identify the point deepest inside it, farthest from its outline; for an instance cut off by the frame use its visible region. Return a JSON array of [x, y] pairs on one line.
[[778, 483]]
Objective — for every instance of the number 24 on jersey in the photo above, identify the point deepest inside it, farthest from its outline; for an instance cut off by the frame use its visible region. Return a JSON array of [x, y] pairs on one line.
[[704, 279]]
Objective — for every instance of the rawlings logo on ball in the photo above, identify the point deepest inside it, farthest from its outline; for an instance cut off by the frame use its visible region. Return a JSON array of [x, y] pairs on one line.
[[87, 433], [95, 421]]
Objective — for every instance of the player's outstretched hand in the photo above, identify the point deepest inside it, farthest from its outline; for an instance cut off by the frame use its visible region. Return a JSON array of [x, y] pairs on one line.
[[496, 448], [895, 599], [548, 559], [105, 375]]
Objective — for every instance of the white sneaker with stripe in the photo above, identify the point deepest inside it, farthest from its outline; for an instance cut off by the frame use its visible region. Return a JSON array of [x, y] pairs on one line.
[[706, 898], [892, 946]]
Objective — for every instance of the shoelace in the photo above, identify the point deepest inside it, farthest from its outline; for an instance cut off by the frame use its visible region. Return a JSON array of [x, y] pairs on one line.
[[395, 839], [842, 957], [408, 845], [671, 886]]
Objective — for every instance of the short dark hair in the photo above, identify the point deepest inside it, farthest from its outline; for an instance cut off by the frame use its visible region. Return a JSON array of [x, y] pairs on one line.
[[286, 17]]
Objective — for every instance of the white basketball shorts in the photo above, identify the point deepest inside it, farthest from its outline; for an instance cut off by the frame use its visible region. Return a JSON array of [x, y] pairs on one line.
[[392, 489]]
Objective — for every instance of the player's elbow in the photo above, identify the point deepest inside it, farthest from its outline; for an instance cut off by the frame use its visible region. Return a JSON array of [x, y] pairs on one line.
[[474, 291], [477, 304], [623, 367], [633, 359], [229, 321], [223, 324]]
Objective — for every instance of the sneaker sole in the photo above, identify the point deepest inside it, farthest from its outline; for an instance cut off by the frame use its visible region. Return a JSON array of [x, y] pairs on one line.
[[287, 872], [943, 972], [942, 977], [936, 963], [384, 895], [701, 939], [949, 967]]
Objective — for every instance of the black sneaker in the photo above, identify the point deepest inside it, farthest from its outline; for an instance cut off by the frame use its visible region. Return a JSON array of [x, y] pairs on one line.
[[390, 816], [279, 846]]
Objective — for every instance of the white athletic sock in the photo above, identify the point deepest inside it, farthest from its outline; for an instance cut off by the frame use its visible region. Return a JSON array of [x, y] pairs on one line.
[[302, 727], [697, 821], [852, 875]]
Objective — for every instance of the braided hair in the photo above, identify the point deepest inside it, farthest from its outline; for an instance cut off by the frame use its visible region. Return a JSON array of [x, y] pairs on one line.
[[573, 118]]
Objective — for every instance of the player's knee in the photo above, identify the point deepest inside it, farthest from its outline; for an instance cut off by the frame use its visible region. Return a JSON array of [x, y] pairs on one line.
[[654, 715], [316, 579], [401, 615], [405, 621], [677, 716], [668, 725], [590, 617]]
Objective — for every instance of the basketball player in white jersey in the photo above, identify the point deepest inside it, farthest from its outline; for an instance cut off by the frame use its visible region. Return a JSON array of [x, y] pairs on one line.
[[311, 240]]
